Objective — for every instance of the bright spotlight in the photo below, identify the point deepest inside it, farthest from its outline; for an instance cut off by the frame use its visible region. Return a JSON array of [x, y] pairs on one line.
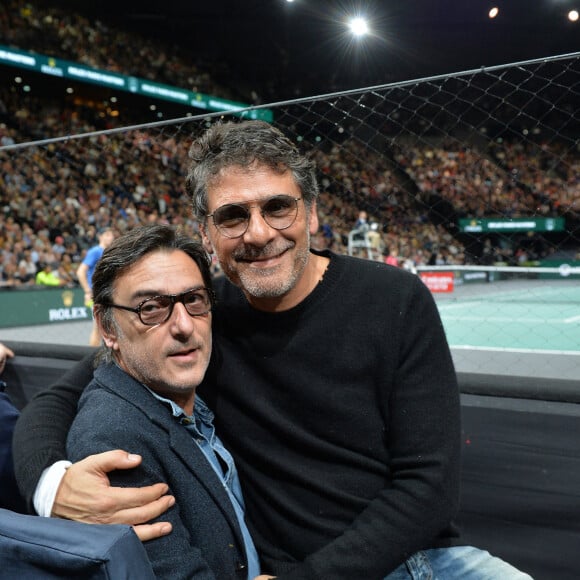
[[573, 16], [493, 12], [358, 26]]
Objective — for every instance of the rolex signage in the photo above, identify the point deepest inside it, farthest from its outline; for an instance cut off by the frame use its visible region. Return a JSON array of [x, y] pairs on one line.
[[29, 306]]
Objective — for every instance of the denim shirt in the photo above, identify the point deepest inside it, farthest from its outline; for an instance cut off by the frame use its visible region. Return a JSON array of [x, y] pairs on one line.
[[202, 431]]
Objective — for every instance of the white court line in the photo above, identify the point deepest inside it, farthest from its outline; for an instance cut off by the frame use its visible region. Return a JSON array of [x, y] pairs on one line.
[[515, 350], [504, 319], [537, 292], [464, 304], [573, 319]]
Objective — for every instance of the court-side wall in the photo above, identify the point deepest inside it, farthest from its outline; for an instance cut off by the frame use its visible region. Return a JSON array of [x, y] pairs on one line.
[[521, 462]]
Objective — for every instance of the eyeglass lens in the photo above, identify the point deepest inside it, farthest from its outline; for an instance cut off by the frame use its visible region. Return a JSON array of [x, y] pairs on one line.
[[158, 309], [279, 212]]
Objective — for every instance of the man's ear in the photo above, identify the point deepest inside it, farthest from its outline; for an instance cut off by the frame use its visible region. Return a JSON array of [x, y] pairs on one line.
[[313, 219], [109, 336], [205, 239]]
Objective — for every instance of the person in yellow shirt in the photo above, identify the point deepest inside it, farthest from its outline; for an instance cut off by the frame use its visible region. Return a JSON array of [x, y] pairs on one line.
[[47, 276]]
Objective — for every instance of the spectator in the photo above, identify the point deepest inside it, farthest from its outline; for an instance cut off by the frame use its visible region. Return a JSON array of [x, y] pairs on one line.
[[9, 276], [47, 275], [391, 258], [58, 247], [9, 495], [24, 277]]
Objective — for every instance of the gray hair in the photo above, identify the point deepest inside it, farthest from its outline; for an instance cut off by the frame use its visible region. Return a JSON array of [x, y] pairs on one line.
[[243, 144], [126, 251]]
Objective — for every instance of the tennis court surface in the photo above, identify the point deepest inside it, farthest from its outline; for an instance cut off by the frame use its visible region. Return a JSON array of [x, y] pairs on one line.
[[525, 327]]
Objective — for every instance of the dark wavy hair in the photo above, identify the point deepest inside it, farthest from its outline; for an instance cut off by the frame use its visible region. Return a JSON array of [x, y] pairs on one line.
[[243, 143]]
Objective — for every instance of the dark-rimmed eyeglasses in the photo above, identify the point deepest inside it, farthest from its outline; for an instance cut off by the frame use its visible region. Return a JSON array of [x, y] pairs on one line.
[[278, 211], [158, 309]]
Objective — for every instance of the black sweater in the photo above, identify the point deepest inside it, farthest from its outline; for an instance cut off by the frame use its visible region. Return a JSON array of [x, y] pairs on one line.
[[342, 414]]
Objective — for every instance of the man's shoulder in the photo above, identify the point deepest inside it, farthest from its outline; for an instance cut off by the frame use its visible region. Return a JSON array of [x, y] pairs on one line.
[[111, 385], [109, 382], [362, 269], [113, 399]]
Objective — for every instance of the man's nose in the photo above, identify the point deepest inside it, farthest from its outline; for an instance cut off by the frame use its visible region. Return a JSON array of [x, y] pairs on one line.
[[181, 320], [258, 231]]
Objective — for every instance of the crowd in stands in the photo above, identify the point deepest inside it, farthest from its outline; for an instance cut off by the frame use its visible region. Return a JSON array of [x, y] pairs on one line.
[[353, 177], [54, 199], [514, 180], [53, 31]]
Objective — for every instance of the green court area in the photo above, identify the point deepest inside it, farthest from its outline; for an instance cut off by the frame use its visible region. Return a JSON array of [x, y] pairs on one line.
[[517, 315]]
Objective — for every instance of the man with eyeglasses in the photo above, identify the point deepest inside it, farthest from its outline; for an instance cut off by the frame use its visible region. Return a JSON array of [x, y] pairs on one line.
[[331, 380], [153, 300]]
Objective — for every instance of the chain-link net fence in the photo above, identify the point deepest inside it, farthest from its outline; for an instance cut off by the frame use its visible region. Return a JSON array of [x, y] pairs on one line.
[[474, 176]]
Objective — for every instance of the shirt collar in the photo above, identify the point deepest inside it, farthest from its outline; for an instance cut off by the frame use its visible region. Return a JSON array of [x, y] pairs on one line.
[[200, 410]]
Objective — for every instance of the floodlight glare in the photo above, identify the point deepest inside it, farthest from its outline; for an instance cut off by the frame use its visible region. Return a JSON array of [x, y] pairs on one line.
[[358, 26], [573, 16]]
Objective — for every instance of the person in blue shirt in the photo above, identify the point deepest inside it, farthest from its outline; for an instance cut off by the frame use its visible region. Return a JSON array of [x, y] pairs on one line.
[[153, 298], [85, 274]]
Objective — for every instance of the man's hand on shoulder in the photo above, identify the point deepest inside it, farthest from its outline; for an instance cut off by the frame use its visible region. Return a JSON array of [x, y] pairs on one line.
[[86, 495], [5, 354]]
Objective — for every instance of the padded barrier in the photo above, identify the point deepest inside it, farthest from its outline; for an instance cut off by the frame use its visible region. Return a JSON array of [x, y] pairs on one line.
[[41, 548], [520, 494], [36, 366]]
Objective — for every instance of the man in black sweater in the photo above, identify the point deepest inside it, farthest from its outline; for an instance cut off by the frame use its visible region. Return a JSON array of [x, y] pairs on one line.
[[331, 381]]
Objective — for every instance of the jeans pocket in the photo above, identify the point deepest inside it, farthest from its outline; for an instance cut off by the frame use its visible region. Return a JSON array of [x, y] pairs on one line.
[[419, 567]]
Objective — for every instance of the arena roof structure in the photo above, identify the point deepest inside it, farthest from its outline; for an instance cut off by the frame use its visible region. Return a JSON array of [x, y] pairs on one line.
[[305, 47]]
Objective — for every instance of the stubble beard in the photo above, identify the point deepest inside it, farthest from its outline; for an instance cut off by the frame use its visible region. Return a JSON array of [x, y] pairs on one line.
[[271, 282]]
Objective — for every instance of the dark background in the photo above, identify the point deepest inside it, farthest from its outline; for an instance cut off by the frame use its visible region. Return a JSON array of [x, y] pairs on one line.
[[283, 50]]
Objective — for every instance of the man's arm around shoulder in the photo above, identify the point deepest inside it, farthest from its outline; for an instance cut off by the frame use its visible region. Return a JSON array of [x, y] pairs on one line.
[[82, 491]]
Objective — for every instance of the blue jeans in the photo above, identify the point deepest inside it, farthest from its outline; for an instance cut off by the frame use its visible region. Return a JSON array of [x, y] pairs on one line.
[[462, 562]]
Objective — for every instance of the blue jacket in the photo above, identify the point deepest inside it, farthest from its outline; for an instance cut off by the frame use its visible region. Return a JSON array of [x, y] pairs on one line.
[[117, 412], [9, 495]]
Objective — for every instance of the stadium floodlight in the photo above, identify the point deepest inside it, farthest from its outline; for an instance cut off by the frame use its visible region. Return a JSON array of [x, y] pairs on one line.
[[358, 26], [493, 12], [573, 16]]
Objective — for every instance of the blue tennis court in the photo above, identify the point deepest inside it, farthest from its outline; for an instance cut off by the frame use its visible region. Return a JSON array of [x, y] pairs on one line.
[[519, 326], [541, 317]]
